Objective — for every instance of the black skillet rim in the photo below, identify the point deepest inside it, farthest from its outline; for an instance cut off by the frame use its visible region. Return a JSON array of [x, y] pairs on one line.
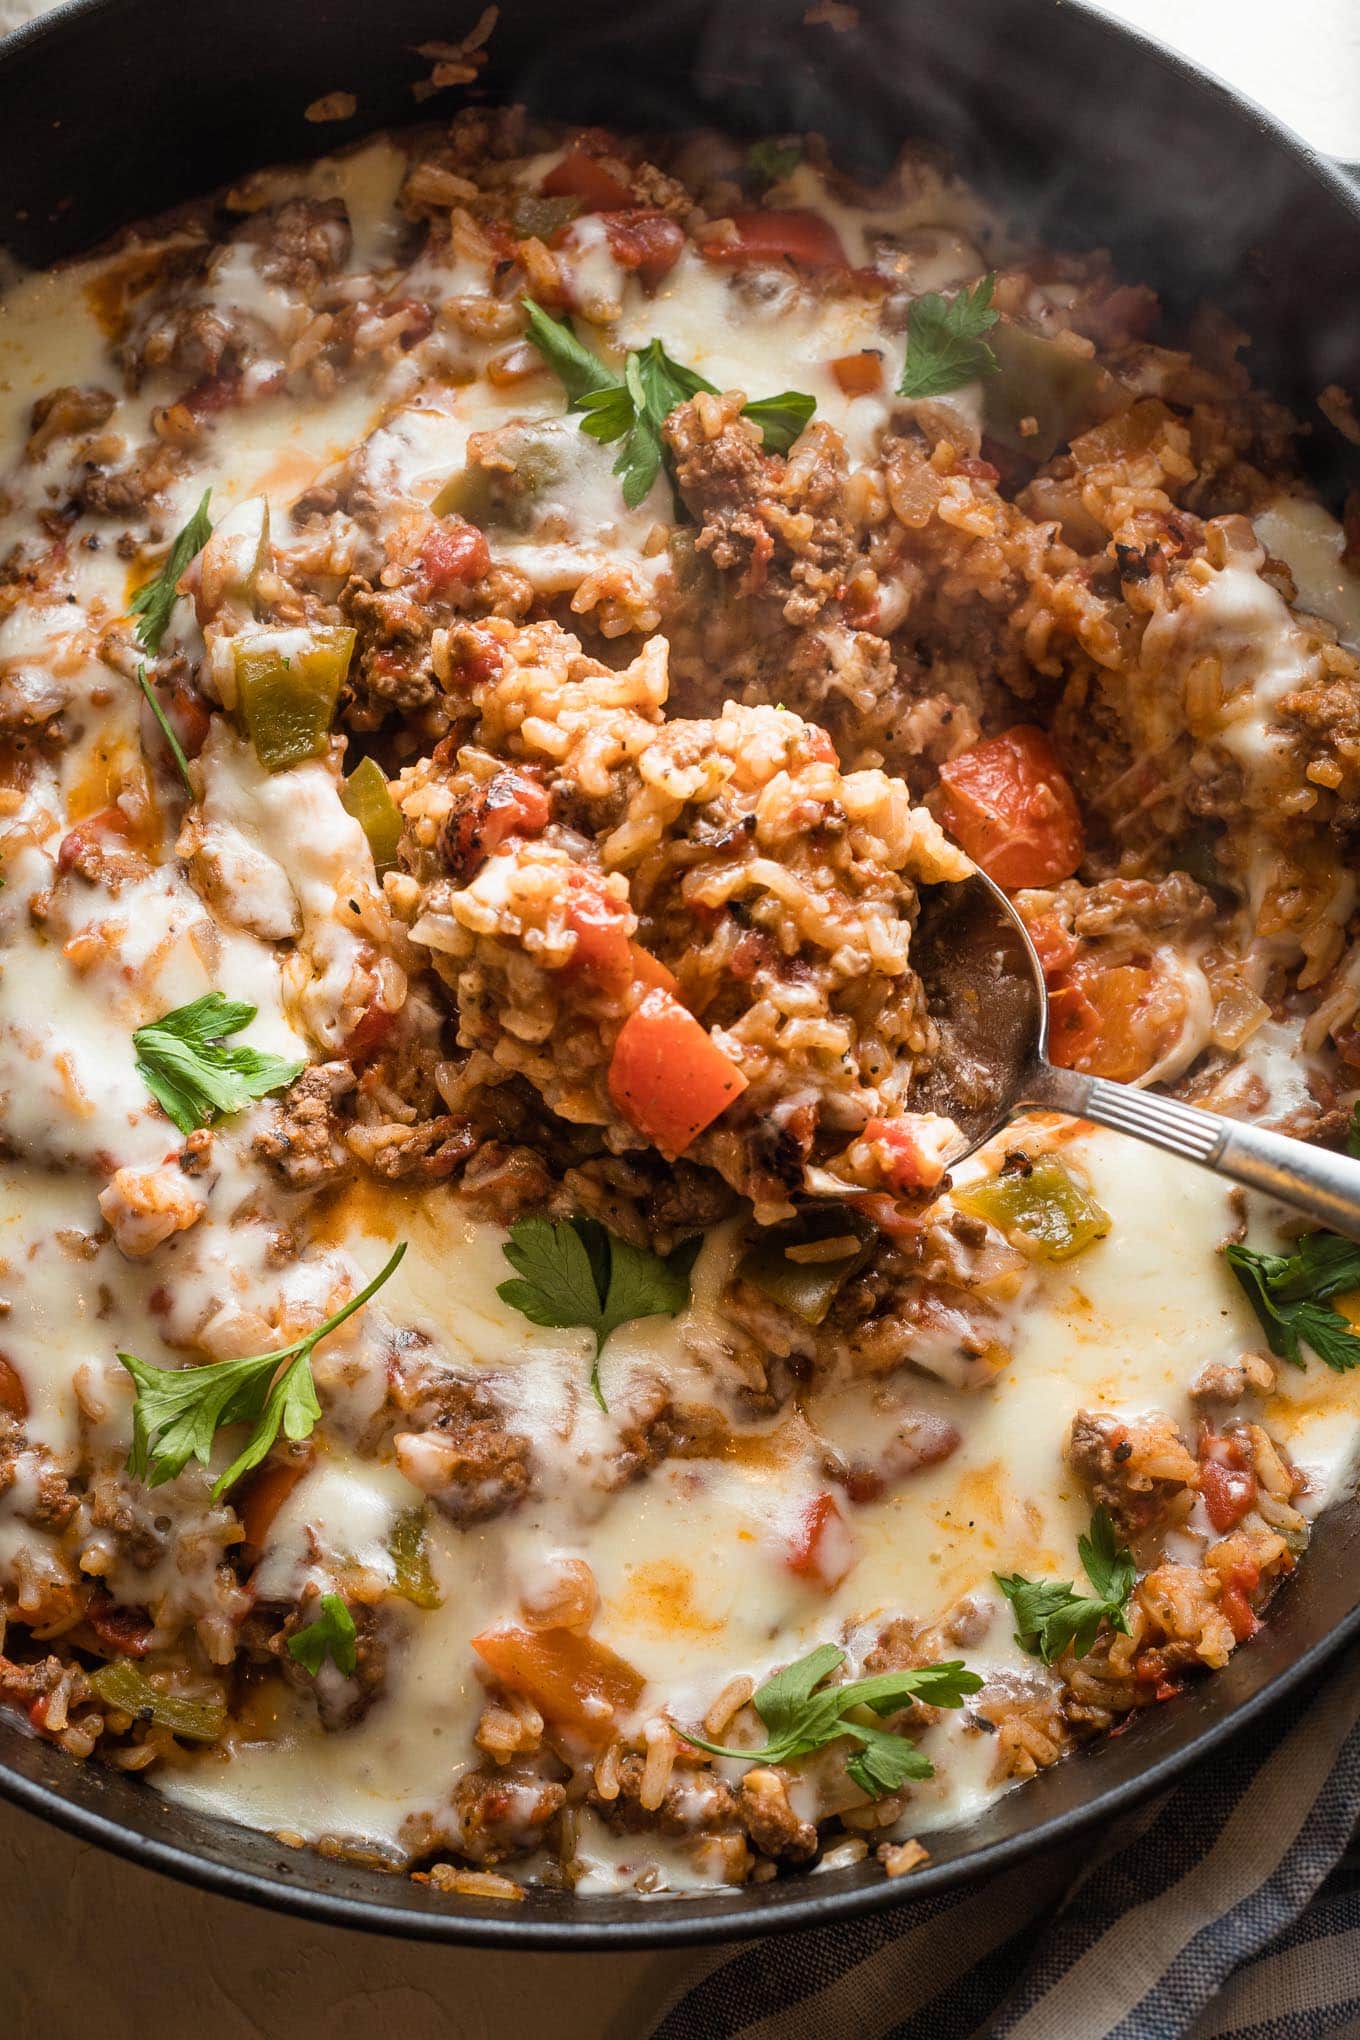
[[797, 1902]]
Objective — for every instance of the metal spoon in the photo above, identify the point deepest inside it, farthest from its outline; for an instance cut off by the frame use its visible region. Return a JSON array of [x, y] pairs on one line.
[[985, 989]]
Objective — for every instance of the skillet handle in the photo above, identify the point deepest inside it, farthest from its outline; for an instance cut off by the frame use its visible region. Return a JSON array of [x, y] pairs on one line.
[[1323, 1185]]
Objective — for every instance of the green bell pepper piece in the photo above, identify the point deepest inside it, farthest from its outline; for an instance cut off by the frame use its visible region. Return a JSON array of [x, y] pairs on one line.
[[1044, 1207], [365, 795], [288, 684], [802, 1264], [120, 1684], [542, 217], [414, 1581], [1036, 378], [503, 498]]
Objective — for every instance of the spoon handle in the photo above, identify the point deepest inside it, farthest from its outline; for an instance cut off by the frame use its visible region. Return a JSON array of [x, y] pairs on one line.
[[1324, 1185]]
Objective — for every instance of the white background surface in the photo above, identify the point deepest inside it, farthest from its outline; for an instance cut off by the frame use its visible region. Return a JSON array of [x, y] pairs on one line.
[[1300, 58], [94, 1949]]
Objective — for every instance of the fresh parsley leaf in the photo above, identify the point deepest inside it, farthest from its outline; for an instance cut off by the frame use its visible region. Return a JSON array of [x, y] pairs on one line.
[[182, 763], [781, 418], [667, 382], [773, 161], [332, 1636], [1321, 1265], [557, 1283], [183, 1060], [607, 414], [1288, 1293], [885, 1762], [1108, 1564], [635, 407], [180, 1410], [152, 604], [577, 1272], [803, 1714], [782, 1698], [1353, 1133], [655, 385], [644, 451], [1051, 1617], [580, 372], [945, 347]]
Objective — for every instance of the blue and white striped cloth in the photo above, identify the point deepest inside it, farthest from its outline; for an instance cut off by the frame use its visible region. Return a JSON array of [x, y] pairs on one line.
[[1228, 1909]]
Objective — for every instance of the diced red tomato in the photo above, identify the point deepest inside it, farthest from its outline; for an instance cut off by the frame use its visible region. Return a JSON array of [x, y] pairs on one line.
[[125, 1631], [215, 393], [1241, 1617], [860, 605], [889, 1216], [1009, 803], [188, 715], [1056, 947], [575, 1682], [364, 1040], [980, 470], [668, 1076], [262, 1494], [1113, 1021], [604, 949], [13, 1394], [1073, 1026], [915, 1163], [88, 835], [581, 175], [768, 235], [859, 375], [649, 970], [822, 1549], [646, 241], [752, 952], [1227, 1481], [454, 555], [511, 804], [474, 656], [1151, 1669]]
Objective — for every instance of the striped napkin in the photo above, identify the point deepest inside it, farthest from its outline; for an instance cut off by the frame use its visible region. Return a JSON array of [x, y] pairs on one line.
[[1228, 1909]]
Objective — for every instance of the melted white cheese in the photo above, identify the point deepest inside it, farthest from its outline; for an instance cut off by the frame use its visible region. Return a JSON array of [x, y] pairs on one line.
[[1306, 536], [691, 1562]]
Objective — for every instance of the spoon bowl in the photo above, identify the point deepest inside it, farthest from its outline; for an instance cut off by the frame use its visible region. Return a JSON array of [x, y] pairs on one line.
[[985, 990]]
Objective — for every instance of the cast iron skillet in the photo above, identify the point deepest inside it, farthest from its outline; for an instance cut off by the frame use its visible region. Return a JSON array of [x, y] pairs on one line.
[[111, 109]]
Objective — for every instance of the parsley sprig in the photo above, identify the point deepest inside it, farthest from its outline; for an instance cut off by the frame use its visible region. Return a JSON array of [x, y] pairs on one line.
[[945, 347], [577, 1272], [180, 1410], [803, 1714], [154, 603], [1289, 1292], [332, 1636], [185, 1063], [1051, 1617], [163, 722], [634, 407]]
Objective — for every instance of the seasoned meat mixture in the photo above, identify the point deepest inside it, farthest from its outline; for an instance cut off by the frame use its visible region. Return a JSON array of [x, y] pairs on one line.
[[501, 1373]]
